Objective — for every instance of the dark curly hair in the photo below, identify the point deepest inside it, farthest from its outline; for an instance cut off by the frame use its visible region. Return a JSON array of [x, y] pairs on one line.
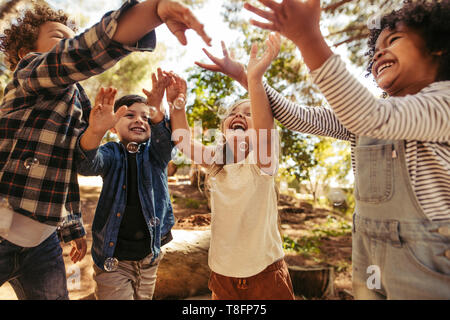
[[25, 32], [431, 19]]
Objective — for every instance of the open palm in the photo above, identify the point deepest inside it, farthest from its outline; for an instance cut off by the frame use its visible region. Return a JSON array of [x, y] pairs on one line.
[[227, 65], [102, 116], [257, 66]]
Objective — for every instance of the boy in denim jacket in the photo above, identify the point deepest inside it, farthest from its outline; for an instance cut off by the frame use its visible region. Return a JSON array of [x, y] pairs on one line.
[[42, 115], [134, 214]]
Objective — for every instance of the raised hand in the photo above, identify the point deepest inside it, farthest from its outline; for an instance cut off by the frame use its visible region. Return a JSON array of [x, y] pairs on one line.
[[297, 20], [159, 85], [294, 19], [178, 19], [226, 65], [156, 95], [102, 116], [176, 92], [257, 66]]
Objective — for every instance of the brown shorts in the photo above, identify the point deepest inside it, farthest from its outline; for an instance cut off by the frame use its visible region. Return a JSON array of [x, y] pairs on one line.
[[273, 283]]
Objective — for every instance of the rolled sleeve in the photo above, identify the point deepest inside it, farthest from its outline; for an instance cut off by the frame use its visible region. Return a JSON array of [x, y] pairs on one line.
[[71, 229]]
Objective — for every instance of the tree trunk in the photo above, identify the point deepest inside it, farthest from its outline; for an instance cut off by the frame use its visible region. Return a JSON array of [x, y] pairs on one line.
[[317, 282]]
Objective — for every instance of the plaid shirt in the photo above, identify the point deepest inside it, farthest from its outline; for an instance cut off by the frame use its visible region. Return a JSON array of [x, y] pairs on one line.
[[42, 115]]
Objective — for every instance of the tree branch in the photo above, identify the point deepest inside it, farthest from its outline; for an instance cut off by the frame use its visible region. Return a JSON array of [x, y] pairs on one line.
[[334, 6], [351, 39]]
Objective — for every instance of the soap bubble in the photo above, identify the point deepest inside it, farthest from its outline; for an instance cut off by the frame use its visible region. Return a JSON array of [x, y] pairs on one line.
[[30, 161], [111, 264], [243, 146], [154, 221], [179, 102], [133, 147], [152, 112]]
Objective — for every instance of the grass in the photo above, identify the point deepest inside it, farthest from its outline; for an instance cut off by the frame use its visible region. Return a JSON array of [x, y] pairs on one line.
[[188, 203], [309, 246]]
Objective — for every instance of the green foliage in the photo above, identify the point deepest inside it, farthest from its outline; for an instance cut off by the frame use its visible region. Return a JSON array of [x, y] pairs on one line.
[[212, 91], [129, 75], [306, 246], [333, 228], [309, 245]]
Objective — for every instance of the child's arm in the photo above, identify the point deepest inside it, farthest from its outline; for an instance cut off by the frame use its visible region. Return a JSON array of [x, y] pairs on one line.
[[161, 144], [101, 119], [261, 112], [98, 48], [181, 133], [423, 116], [146, 16], [312, 120]]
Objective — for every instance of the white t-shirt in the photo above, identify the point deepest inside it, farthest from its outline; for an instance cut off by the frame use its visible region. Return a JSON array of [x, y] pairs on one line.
[[244, 221], [21, 230]]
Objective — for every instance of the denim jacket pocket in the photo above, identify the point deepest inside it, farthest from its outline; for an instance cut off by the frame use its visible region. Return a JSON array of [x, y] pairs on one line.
[[374, 178]]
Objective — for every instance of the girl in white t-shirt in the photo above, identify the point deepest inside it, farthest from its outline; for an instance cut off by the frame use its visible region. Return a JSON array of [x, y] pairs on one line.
[[246, 252]]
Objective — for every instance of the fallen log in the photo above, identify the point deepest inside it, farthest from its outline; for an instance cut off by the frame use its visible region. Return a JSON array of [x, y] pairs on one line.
[[184, 271], [312, 282]]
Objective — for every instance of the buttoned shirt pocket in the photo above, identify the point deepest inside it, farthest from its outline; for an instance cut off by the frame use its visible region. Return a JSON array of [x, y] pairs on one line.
[[374, 181]]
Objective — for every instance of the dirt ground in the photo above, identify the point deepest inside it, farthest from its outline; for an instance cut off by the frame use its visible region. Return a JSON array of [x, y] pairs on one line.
[[192, 213]]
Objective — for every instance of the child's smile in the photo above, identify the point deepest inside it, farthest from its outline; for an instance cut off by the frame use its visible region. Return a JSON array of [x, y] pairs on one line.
[[238, 124], [239, 120], [134, 126]]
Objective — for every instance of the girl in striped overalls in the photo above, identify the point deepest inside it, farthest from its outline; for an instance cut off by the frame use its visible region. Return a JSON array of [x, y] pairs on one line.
[[400, 145]]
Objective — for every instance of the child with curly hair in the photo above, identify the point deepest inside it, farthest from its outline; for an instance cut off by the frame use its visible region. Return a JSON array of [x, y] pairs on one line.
[[43, 113], [400, 145]]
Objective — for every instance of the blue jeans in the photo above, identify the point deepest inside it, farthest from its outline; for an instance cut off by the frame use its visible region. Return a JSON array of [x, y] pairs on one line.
[[36, 273]]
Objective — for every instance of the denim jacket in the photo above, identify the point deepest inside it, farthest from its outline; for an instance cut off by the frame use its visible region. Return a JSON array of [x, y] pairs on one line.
[[110, 162]]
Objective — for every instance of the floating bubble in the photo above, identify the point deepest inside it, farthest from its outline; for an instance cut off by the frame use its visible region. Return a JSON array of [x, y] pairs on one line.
[[176, 157], [337, 197], [222, 112], [29, 162], [153, 111], [243, 146], [111, 264], [133, 147], [154, 221], [179, 102]]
